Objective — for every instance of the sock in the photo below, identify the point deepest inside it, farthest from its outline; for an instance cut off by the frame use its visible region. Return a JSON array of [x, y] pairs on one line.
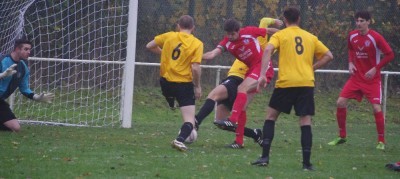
[[186, 129], [341, 120], [380, 126], [240, 127], [205, 110], [250, 133], [238, 106], [306, 144], [268, 131]]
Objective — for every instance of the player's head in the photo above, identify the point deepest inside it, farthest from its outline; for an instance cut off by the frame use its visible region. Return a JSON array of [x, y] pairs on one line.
[[291, 15], [186, 22], [232, 27], [363, 19], [22, 48]]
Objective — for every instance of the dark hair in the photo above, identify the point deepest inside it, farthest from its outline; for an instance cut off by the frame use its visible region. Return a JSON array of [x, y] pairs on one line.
[[186, 22], [19, 42], [231, 25], [363, 14], [291, 14]]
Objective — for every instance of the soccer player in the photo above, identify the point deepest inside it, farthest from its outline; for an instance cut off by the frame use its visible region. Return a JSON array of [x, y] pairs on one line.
[[225, 93], [295, 83], [180, 72], [365, 47], [15, 74], [243, 44]]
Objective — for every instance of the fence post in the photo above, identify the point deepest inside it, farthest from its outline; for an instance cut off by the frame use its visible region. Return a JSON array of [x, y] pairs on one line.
[[217, 79], [385, 95]]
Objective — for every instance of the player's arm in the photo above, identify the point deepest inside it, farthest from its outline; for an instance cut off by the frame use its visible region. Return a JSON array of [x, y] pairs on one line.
[[212, 54], [267, 21], [26, 91], [278, 23], [153, 47], [271, 31], [322, 53], [196, 72], [24, 84], [387, 57], [266, 58], [323, 60], [351, 55], [388, 54]]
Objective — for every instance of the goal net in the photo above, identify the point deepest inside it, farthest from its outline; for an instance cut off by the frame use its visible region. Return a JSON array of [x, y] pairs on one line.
[[79, 52]]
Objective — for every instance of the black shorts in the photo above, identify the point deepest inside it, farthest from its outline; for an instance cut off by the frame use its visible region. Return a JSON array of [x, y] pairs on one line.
[[182, 92], [231, 84], [302, 98], [5, 112]]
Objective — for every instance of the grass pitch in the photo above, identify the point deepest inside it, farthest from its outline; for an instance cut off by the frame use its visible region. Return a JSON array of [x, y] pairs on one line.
[[145, 151]]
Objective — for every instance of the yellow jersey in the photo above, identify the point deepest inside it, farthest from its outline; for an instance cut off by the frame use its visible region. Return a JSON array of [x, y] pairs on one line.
[[179, 51], [297, 49], [238, 68]]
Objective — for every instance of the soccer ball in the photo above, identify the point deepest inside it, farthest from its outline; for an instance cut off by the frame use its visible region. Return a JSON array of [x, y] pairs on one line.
[[192, 137]]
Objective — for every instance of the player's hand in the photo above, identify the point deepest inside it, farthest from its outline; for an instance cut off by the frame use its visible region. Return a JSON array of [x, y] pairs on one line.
[[9, 71], [352, 68], [262, 82], [44, 97], [370, 73], [197, 92], [278, 23]]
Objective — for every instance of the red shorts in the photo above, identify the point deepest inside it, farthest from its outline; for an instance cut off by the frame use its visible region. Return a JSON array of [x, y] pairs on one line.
[[354, 89], [254, 72]]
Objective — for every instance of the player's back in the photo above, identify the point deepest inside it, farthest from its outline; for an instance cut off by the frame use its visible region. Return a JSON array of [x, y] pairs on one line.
[[179, 51], [297, 49]]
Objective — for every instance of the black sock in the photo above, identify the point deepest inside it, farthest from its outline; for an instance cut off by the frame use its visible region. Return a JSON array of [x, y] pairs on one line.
[[250, 133], [186, 129], [205, 110], [306, 143], [268, 134]]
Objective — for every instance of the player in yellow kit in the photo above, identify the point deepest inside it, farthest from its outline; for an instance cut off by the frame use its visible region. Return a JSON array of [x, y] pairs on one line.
[[295, 83], [181, 55]]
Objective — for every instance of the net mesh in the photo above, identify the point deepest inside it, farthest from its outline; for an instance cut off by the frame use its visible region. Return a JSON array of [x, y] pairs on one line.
[[78, 52]]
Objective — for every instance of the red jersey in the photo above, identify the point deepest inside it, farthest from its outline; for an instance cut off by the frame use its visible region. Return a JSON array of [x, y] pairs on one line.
[[247, 48], [365, 53]]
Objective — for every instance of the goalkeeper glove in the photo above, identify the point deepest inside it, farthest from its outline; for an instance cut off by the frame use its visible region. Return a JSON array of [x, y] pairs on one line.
[[9, 71], [44, 97]]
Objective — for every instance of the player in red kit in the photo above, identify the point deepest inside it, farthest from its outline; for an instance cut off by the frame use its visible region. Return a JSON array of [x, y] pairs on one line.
[[365, 47], [243, 44]]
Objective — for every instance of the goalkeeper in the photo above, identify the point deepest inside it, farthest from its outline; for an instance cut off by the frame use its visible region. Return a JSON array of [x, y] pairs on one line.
[[14, 73]]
